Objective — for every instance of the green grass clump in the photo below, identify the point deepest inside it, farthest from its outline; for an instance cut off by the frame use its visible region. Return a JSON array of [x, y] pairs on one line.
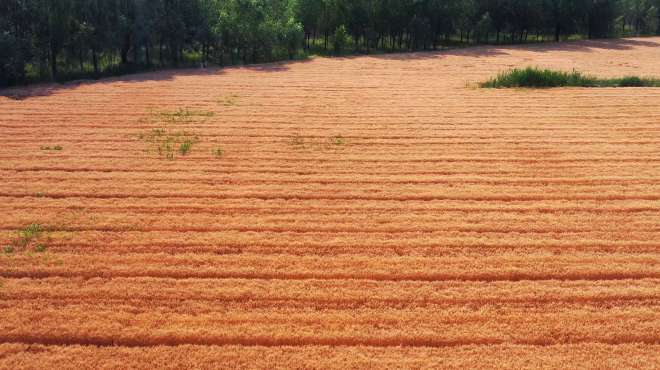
[[532, 77], [217, 152], [167, 143], [229, 100], [338, 140], [171, 140], [28, 237], [183, 115], [185, 147]]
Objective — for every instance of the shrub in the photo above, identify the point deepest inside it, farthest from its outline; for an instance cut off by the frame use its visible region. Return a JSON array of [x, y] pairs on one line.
[[540, 78], [631, 81], [532, 77]]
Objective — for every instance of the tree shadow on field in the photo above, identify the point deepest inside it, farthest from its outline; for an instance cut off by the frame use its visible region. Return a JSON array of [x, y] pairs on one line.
[[473, 51], [47, 89], [484, 51], [590, 46], [280, 66]]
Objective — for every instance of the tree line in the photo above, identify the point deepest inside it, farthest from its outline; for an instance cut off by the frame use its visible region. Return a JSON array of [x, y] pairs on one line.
[[62, 39]]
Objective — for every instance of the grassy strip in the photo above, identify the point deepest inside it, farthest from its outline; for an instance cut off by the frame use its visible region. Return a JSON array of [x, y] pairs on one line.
[[533, 77]]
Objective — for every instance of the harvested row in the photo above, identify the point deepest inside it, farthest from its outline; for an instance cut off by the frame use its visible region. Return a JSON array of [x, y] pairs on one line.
[[511, 267], [78, 220], [586, 355], [140, 323], [337, 294], [331, 243], [269, 207]]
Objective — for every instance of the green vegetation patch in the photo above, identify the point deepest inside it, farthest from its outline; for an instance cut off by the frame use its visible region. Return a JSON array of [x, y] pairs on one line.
[[217, 152], [319, 143], [30, 237], [171, 140], [181, 115], [169, 144], [532, 77], [229, 100]]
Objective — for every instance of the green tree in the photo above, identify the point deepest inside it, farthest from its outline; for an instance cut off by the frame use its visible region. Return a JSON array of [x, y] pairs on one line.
[[483, 28], [292, 36], [340, 40]]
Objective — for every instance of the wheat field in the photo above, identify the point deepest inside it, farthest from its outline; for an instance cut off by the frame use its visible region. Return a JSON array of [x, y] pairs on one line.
[[374, 211]]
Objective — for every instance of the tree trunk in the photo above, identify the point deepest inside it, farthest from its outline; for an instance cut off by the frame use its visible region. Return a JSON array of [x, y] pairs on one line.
[[125, 47], [95, 61], [136, 53], [124, 56], [53, 62], [160, 52], [147, 54], [557, 32]]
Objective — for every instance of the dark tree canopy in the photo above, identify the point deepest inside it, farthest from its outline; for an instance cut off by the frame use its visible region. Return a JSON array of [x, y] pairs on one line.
[[61, 39]]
